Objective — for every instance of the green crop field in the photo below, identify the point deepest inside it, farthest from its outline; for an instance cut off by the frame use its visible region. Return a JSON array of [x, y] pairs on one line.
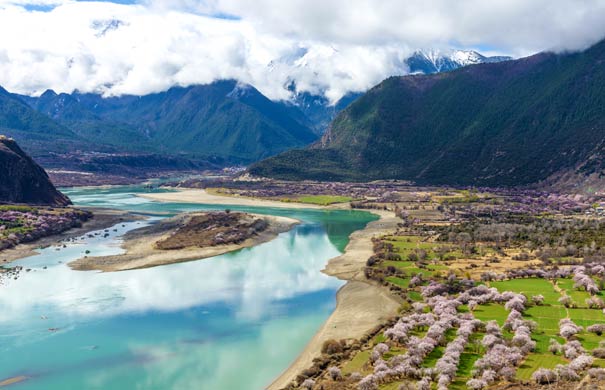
[[579, 297], [321, 200], [491, 311], [537, 360], [530, 287]]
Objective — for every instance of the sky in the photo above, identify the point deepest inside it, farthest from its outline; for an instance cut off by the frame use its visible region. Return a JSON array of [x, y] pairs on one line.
[[324, 46]]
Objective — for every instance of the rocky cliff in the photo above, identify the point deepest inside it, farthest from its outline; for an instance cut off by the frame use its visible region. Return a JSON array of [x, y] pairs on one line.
[[24, 181]]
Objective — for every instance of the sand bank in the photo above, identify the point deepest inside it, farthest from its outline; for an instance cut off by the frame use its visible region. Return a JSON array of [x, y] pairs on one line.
[[203, 197], [360, 304], [12, 381], [141, 252]]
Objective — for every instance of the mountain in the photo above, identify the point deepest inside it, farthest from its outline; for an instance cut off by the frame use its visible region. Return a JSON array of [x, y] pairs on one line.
[[506, 123], [317, 108], [224, 122], [35, 129], [24, 181], [224, 119], [435, 61], [321, 112]]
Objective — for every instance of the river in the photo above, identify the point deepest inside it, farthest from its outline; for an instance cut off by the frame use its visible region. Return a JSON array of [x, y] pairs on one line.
[[225, 323]]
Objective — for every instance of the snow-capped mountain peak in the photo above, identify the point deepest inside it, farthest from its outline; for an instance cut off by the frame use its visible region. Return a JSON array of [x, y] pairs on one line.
[[433, 61]]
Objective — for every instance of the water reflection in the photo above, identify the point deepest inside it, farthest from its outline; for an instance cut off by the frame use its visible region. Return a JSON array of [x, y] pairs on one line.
[[231, 322], [250, 279]]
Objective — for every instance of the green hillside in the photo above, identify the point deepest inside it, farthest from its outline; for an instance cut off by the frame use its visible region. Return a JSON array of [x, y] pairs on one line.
[[39, 132], [223, 119], [508, 123]]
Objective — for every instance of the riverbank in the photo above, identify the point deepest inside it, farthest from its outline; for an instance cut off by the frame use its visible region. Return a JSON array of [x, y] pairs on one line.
[[102, 219], [360, 304], [203, 197], [141, 249]]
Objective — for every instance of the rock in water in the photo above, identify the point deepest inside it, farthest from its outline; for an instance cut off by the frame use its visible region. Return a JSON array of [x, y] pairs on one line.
[[24, 181]]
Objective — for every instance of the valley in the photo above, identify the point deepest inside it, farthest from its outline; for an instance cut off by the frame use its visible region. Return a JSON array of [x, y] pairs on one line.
[[225, 195], [515, 123], [469, 252]]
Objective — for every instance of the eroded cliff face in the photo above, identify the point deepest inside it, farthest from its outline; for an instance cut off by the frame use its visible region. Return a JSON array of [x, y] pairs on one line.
[[24, 181]]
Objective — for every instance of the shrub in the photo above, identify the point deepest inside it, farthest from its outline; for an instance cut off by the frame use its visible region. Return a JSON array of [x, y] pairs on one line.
[[368, 383], [538, 300], [544, 376], [331, 347], [554, 346], [597, 373], [566, 301], [308, 384], [476, 384], [598, 329], [567, 328], [599, 353], [334, 373], [566, 373]]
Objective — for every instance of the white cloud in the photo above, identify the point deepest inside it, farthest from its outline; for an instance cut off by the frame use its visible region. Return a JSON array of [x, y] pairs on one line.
[[336, 45]]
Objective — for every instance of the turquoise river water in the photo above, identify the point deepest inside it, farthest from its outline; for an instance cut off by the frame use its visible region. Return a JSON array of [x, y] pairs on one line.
[[226, 323]]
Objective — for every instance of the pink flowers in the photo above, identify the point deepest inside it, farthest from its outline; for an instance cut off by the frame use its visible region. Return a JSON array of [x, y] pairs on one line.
[[416, 281], [538, 299], [25, 224], [544, 376], [381, 348], [399, 332], [584, 281], [573, 349], [476, 384], [516, 303], [567, 328], [598, 329], [522, 339], [581, 363], [334, 373], [368, 383], [448, 364]]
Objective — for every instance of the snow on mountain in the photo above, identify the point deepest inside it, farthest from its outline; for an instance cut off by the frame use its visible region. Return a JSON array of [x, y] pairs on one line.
[[309, 94], [434, 61]]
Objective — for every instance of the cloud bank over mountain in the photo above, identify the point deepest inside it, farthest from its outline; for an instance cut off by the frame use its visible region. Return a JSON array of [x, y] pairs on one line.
[[330, 47]]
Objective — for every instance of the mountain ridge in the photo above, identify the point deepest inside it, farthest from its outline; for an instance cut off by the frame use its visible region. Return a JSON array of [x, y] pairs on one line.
[[321, 111], [436, 61], [223, 119], [506, 123]]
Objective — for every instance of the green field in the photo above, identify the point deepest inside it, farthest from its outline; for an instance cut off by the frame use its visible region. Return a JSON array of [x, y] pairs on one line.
[[437, 353], [489, 312], [356, 364], [404, 245], [536, 360], [530, 287], [321, 200], [401, 282], [579, 297], [546, 316]]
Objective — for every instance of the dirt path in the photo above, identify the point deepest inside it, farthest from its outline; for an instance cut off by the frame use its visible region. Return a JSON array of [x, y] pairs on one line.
[[560, 291]]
